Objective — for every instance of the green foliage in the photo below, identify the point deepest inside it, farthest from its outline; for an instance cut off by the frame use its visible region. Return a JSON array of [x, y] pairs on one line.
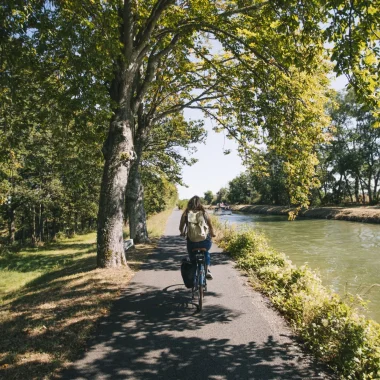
[[159, 193], [347, 169], [68, 67], [349, 166], [345, 341], [208, 197], [221, 195], [241, 190], [182, 203]]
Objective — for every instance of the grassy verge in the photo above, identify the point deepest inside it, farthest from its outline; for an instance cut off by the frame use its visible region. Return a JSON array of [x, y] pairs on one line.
[[51, 299], [335, 333]]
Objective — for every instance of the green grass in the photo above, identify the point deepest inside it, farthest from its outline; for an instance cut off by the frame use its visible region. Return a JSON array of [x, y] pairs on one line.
[[155, 224], [19, 268], [51, 299]]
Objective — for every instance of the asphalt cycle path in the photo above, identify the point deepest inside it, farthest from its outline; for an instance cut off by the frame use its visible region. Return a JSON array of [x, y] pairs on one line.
[[155, 331]]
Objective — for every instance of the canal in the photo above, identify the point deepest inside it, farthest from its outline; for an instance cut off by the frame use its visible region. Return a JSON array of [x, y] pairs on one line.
[[345, 254]]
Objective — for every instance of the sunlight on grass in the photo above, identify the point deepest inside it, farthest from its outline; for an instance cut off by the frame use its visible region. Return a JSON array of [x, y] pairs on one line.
[[52, 297], [17, 269], [157, 223]]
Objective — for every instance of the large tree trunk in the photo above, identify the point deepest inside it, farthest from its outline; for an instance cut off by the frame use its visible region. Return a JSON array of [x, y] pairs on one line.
[[119, 154], [135, 191], [135, 207]]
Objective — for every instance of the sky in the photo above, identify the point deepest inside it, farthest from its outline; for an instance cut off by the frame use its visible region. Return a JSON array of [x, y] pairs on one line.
[[214, 169]]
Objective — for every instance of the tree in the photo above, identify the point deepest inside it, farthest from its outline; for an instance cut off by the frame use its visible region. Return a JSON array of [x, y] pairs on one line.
[[208, 197], [120, 45], [157, 153], [222, 195], [351, 159], [240, 189]]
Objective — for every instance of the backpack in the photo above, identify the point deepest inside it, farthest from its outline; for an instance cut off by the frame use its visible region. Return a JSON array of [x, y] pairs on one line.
[[197, 228], [188, 269]]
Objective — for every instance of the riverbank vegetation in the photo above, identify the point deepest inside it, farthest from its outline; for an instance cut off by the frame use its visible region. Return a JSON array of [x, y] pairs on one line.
[[347, 171], [331, 329], [52, 297]]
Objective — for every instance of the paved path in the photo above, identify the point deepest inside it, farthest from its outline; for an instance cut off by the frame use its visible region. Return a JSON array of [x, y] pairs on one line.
[[155, 332]]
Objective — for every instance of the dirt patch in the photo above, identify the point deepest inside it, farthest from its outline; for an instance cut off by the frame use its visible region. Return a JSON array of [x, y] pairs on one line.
[[369, 214]]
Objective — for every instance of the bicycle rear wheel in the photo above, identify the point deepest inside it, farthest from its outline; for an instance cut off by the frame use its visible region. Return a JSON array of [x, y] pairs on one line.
[[201, 295]]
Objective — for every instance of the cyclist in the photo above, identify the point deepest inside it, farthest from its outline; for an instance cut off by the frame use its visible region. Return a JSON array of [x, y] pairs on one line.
[[196, 225]]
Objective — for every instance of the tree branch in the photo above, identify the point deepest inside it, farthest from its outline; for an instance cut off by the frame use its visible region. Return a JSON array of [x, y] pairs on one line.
[[145, 34], [151, 70], [244, 10]]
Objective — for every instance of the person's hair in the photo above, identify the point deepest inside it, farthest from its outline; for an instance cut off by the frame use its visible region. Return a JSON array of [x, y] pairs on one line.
[[194, 204]]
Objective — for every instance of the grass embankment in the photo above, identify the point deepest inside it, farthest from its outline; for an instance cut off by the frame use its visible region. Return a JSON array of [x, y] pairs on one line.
[[334, 332], [51, 299]]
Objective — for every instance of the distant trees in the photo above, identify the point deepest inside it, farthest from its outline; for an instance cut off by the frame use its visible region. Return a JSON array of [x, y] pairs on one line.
[[348, 168], [240, 189], [208, 197], [350, 164]]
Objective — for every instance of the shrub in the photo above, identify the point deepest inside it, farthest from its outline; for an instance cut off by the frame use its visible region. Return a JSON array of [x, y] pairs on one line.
[[182, 203], [347, 342]]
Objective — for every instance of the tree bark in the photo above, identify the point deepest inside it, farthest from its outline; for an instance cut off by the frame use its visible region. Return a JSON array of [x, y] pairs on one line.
[[375, 192], [33, 226], [348, 188], [369, 188], [127, 92], [23, 236], [135, 207], [357, 189], [119, 154], [41, 223], [338, 200], [135, 191], [11, 224], [54, 229], [75, 223]]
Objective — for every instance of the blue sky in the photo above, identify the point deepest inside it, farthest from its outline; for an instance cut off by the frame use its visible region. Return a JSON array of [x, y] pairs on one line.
[[214, 169]]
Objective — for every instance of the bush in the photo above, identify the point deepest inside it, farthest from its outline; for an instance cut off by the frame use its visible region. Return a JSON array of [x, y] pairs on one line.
[[348, 343], [182, 203]]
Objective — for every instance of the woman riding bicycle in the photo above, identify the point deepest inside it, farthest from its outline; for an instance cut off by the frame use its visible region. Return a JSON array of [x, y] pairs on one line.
[[196, 226]]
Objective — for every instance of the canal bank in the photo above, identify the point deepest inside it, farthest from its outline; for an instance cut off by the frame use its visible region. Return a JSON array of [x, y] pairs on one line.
[[364, 214], [331, 328], [345, 255]]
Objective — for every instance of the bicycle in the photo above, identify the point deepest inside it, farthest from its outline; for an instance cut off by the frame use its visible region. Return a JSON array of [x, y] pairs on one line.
[[200, 282]]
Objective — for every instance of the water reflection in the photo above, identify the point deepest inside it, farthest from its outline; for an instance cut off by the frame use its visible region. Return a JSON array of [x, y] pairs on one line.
[[345, 254]]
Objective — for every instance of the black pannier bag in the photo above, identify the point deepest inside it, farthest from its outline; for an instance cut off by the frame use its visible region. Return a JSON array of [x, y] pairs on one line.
[[188, 270]]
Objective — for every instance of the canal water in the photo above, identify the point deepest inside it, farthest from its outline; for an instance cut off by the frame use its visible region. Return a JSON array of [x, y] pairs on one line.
[[345, 254]]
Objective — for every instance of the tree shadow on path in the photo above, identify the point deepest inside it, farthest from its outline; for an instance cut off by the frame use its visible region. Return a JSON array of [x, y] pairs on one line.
[[150, 335]]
